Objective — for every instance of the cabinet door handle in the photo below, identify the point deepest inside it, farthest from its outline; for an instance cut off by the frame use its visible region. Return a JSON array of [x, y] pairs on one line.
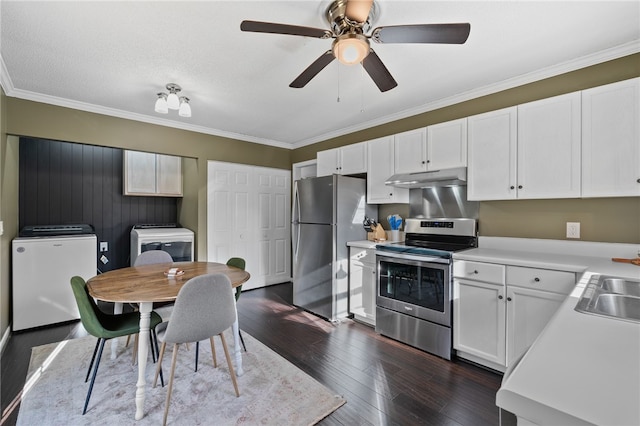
[[475, 272], [512, 187], [519, 186], [638, 180], [500, 297], [508, 299], [536, 279]]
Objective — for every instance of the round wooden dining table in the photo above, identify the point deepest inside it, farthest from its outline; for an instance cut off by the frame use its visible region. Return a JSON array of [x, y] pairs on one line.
[[147, 284]]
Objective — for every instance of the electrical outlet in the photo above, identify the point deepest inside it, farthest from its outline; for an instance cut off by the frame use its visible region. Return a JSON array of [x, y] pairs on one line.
[[573, 229], [104, 246]]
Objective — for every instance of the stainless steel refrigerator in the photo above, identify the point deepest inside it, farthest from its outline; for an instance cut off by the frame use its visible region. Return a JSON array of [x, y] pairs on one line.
[[327, 212]]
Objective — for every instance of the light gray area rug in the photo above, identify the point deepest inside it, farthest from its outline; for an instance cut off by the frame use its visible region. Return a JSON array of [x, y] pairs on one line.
[[272, 390]]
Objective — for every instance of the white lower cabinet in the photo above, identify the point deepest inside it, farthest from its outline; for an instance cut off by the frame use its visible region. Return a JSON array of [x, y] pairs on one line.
[[500, 310], [362, 284]]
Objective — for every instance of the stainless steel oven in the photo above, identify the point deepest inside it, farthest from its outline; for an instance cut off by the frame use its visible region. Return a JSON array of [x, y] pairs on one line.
[[414, 298]]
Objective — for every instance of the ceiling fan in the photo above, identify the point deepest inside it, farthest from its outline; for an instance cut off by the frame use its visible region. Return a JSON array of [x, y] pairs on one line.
[[349, 21]]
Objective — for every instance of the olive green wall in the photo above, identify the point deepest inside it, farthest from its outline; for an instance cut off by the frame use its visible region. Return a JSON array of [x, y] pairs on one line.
[[602, 219], [34, 119], [597, 75]]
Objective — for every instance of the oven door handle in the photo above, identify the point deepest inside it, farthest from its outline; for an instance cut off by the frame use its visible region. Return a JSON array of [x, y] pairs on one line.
[[419, 258]]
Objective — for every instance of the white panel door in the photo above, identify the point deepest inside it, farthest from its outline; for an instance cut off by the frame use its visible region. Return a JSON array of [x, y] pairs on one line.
[[248, 216]]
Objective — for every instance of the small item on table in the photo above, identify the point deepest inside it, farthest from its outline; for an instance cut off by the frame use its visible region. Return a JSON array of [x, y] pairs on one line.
[[174, 272]]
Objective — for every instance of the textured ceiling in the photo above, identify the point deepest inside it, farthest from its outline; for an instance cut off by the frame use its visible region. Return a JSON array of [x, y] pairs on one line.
[[113, 57]]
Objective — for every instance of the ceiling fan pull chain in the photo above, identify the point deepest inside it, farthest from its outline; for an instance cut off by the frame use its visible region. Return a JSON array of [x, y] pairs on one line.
[[338, 83], [362, 89]]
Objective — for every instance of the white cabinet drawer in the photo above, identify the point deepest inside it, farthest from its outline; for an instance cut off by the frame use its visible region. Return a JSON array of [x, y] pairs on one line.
[[541, 279], [479, 271], [363, 255]]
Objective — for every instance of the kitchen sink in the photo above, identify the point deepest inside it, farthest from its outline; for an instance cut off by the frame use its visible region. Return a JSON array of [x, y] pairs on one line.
[[620, 286], [611, 297]]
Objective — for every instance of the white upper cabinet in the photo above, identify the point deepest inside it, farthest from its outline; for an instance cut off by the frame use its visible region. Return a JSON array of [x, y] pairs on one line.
[[410, 149], [150, 174], [436, 147], [611, 140], [380, 168], [491, 172], [549, 148], [528, 151], [346, 160], [447, 145]]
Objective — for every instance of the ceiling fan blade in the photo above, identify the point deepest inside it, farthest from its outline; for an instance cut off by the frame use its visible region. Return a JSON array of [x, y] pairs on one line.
[[273, 28], [424, 33], [378, 72], [358, 10], [313, 69]]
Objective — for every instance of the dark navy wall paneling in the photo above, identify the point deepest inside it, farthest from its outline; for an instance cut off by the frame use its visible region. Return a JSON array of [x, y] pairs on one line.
[[65, 183]]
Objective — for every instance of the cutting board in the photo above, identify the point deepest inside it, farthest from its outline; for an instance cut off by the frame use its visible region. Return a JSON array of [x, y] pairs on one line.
[[635, 261]]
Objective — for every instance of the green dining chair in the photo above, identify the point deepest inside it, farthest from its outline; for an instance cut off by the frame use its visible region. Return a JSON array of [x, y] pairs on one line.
[[236, 262], [106, 326]]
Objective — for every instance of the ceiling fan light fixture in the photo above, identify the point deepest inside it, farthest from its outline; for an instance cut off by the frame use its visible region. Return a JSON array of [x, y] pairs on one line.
[[185, 108], [350, 48], [161, 104]]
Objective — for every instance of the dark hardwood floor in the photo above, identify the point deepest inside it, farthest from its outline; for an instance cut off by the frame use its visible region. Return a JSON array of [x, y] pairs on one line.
[[384, 382]]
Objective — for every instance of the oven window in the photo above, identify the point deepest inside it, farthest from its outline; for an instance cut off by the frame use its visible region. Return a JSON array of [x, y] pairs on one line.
[[413, 284]]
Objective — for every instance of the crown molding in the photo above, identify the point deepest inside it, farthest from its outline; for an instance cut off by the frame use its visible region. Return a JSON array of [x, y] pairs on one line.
[[558, 69], [5, 80]]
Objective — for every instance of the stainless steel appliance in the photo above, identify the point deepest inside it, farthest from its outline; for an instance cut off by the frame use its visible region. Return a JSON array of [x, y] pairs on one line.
[[327, 212], [414, 299]]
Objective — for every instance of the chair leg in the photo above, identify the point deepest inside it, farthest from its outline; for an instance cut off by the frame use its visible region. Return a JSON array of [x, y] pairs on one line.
[[213, 352], [173, 370], [231, 370], [93, 358], [93, 376], [159, 366], [155, 347], [135, 350], [242, 340], [197, 351]]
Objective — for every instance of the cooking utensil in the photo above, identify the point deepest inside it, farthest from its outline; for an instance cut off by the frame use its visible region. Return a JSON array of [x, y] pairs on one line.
[[635, 261]]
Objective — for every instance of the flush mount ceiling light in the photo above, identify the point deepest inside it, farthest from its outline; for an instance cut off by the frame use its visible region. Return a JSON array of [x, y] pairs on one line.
[[165, 101]]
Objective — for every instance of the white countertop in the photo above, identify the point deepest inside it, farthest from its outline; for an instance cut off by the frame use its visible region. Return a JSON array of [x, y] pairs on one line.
[[365, 244], [582, 369]]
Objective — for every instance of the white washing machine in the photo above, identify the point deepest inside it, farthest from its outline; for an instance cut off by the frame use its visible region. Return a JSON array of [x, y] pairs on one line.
[[176, 241]]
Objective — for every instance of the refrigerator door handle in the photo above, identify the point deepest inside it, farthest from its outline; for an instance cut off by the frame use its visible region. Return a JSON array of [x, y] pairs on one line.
[[295, 215]]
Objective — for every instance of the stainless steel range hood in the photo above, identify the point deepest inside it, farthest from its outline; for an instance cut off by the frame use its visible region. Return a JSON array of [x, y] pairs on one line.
[[434, 178]]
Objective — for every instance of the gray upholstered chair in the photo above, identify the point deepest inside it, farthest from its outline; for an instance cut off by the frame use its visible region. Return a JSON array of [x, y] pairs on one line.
[[163, 309], [236, 262], [151, 257], [204, 308]]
